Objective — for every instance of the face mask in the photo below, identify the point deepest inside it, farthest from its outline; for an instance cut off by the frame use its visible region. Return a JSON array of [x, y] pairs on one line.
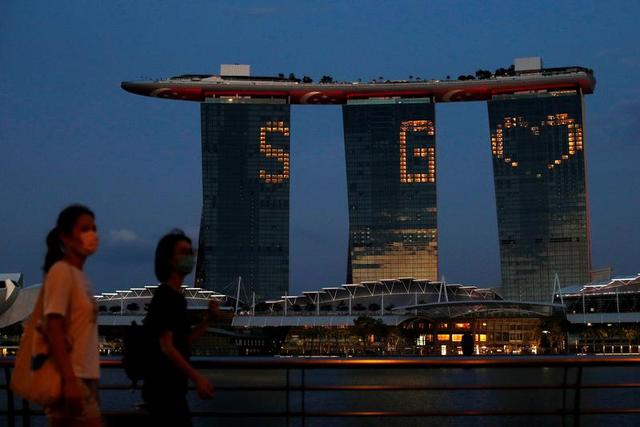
[[90, 242], [185, 264]]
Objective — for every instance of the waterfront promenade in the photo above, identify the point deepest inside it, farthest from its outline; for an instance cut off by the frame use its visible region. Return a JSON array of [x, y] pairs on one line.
[[478, 391]]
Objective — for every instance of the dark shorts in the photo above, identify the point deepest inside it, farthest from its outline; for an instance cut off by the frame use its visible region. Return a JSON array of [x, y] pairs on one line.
[[165, 398], [168, 411]]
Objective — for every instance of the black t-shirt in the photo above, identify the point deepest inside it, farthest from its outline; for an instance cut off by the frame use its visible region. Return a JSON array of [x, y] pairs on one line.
[[167, 312]]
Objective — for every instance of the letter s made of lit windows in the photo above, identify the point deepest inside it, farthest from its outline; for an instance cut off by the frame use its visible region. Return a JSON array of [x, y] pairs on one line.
[[279, 154], [425, 126]]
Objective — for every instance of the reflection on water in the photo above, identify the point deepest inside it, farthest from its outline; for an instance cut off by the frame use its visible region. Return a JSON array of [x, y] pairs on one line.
[[401, 401]]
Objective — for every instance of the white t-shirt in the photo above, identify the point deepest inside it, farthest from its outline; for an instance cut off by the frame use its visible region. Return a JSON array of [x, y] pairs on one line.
[[67, 292]]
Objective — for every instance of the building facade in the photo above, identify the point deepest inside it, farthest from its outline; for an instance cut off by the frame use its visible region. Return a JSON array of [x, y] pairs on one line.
[[244, 230], [604, 315], [537, 146], [390, 149], [537, 138]]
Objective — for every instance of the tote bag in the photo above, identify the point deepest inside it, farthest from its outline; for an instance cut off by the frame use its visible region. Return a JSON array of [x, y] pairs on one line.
[[35, 376]]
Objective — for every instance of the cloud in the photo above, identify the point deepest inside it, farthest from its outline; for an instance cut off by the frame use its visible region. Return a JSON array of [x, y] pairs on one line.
[[124, 236], [126, 255], [124, 246]]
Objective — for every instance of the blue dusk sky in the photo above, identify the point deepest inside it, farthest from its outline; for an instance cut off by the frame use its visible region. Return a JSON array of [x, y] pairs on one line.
[[68, 133]]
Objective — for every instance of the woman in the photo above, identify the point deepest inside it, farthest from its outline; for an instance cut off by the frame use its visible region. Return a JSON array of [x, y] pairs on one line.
[[166, 381], [70, 318]]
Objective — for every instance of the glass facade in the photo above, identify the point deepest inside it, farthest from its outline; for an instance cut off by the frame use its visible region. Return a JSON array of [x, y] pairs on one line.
[[537, 145], [391, 177], [245, 217]]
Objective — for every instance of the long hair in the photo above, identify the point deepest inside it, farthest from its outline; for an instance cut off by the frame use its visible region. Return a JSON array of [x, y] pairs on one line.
[[164, 253], [64, 225]]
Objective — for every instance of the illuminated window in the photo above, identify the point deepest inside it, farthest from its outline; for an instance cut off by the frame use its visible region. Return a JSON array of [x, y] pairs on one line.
[[429, 153], [456, 337], [443, 337], [423, 339], [279, 154], [574, 136]]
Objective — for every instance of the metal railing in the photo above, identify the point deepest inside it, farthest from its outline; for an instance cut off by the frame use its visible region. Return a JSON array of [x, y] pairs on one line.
[[297, 388]]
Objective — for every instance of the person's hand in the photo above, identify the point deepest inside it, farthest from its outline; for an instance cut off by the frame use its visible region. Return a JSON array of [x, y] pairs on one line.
[[214, 309], [204, 387], [72, 398]]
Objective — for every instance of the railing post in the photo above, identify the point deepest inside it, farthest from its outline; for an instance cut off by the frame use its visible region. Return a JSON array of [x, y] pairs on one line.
[[576, 402], [288, 393], [26, 413], [11, 409], [564, 395], [303, 388]]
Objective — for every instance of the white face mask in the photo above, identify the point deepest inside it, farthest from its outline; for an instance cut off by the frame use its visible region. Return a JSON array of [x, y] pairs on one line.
[[90, 242]]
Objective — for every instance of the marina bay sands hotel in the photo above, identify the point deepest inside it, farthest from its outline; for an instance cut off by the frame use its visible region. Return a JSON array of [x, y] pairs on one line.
[[536, 138]]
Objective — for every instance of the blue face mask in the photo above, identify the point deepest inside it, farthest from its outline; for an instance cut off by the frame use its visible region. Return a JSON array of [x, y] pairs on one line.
[[185, 264]]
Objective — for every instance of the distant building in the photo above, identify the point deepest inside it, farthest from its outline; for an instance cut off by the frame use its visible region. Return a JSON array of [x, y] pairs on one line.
[[537, 144], [235, 70], [603, 316], [10, 285], [432, 316], [391, 179], [16, 300], [245, 177], [616, 300], [533, 63]]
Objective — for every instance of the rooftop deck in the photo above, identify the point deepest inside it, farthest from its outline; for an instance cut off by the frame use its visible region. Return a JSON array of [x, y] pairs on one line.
[[198, 88]]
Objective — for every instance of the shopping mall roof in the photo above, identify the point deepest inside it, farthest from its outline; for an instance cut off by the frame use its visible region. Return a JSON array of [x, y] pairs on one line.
[[486, 308], [615, 284]]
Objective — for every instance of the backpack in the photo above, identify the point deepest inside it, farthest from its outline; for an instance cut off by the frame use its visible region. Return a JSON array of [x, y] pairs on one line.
[[136, 355]]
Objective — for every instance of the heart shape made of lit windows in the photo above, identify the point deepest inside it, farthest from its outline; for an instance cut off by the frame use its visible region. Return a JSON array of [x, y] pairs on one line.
[[574, 137]]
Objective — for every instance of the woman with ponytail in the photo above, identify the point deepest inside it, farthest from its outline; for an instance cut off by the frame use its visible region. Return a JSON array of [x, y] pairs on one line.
[[71, 318]]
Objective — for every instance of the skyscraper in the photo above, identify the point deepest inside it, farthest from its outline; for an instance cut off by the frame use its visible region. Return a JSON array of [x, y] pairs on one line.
[[245, 175], [537, 144], [536, 126], [391, 178]]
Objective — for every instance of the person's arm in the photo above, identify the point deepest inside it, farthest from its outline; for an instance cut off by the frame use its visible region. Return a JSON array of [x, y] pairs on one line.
[[199, 330], [59, 351], [204, 387], [212, 312], [57, 288]]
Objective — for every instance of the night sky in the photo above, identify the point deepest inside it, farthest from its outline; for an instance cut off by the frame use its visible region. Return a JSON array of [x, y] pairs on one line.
[[68, 133]]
